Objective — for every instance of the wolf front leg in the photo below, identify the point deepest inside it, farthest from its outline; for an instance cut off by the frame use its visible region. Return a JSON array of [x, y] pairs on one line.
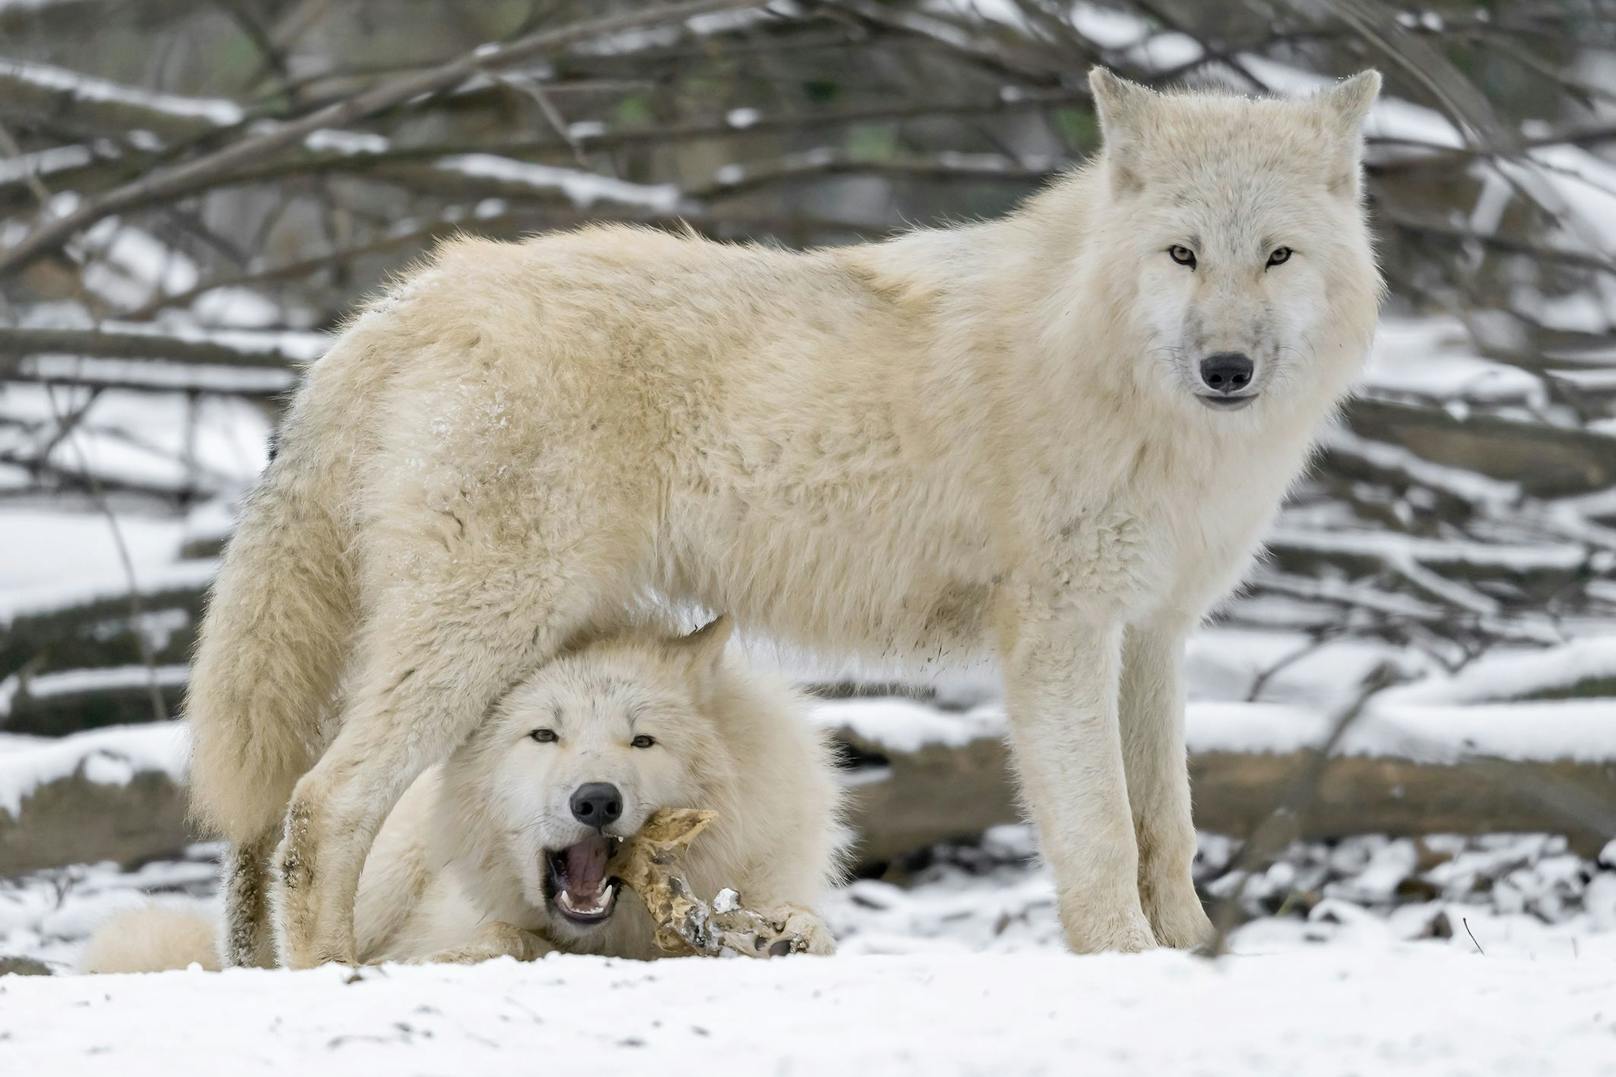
[[1152, 718], [433, 658], [1061, 679], [806, 932]]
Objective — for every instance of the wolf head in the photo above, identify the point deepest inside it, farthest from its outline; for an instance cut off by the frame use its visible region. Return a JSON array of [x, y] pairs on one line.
[[1229, 236], [577, 756]]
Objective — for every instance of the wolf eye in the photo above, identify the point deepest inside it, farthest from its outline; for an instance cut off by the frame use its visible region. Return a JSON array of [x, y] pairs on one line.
[[544, 736], [1182, 255], [1280, 256], [642, 741]]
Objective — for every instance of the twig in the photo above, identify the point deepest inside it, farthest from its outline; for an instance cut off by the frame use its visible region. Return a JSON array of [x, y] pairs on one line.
[[1466, 922], [1268, 836], [136, 614], [17, 343]]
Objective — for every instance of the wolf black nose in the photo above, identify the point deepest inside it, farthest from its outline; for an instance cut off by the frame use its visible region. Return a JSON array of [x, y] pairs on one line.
[[1226, 372], [597, 804]]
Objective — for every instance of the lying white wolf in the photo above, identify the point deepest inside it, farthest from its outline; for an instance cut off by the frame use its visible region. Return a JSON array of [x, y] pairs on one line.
[[503, 850], [1059, 436]]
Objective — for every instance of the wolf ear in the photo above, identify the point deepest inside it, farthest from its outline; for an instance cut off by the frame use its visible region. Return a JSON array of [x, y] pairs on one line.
[[703, 649], [1343, 108], [1122, 108]]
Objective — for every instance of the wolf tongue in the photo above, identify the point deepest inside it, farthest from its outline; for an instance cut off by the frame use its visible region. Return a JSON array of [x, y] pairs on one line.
[[586, 866]]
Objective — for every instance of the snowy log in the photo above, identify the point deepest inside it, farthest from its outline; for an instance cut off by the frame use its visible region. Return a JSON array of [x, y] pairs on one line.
[[1546, 461], [116, 795]]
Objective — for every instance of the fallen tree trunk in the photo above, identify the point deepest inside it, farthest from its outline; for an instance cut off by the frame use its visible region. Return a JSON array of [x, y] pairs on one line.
[[904, 801], [1547, 461], [76, 820]]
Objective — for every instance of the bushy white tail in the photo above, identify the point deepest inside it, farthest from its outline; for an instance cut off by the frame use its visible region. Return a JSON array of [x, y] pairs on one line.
[[154, 939], [281, 614]]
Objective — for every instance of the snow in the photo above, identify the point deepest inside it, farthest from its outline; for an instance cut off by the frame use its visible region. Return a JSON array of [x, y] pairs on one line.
[[44, 549], [1396, 727], [157, 374], [1440, 720], [346, 142], [584, 189], [209, 445], [210, 521], [1516, 894], [1410, 549], [958, 971], [1446, 367], [1500, 676], [215, 110], [903, 725], [1330, 1011], [624, 42], [42, 163], [86, 588], [1465, 485], [304, 346], [130, 265], [76, 681], [1579, 730], [107, 756]]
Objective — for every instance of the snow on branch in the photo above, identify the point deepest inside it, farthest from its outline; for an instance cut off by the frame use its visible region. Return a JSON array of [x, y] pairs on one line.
[[221, 348], [44, 92]]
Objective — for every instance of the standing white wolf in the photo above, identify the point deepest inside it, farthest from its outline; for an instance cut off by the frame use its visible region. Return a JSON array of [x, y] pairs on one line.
[[503, 849], [1059, 435]]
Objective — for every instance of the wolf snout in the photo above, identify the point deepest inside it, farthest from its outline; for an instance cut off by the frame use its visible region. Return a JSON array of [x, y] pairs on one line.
[[1227, 372], [597, 804]]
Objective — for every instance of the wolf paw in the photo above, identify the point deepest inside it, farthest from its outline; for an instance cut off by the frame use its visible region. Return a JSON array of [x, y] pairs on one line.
[[1125, 934], [802, 930], [495, 940], [1167, 892], [1183, 926]]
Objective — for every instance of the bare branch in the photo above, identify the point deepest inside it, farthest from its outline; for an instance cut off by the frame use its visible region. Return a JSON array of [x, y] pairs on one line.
[[182, 178]]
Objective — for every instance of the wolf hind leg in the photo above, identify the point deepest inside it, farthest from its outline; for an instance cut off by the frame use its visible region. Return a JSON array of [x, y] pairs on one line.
[[249, 941]]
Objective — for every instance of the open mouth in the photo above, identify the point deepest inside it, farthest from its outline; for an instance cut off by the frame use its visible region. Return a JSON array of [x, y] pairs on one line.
[[579, 889], [1227, 403]]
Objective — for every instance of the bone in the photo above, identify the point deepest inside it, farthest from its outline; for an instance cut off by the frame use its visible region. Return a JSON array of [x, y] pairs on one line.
[[652, 864]]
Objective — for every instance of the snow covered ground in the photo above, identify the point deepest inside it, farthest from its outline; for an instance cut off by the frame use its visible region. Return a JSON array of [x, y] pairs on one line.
[[1523, 894], [1332, 1011], [959, 971]]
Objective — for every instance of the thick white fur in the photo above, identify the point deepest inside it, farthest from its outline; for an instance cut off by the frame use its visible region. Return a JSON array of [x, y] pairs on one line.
[[153, 939], [980, 437], [470, 837], [456, 873]]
